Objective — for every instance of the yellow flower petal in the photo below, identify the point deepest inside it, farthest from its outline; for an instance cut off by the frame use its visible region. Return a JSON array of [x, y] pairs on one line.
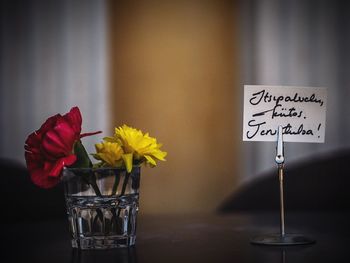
[[128, 161], [160, 155], [150, 160], [109, 139], [108, 153]]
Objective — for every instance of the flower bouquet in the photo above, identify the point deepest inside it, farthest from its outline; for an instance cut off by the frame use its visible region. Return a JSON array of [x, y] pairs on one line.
[[102, 197]]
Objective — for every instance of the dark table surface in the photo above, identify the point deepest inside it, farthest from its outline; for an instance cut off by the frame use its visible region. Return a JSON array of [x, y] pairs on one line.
[[192, 238]]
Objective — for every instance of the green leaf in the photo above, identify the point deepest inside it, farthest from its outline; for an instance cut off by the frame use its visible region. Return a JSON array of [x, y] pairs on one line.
[[83, 160]]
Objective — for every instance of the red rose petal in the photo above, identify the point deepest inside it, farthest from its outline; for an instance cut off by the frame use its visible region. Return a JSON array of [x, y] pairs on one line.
[[73, 117], [32, 141], [48, 125], [56, 169], [59, 141], [66, 132], [34, 161], [55, 140], [40, 178]]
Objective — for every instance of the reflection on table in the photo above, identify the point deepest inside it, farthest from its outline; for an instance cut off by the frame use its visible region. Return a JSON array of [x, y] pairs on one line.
[[195, 238]]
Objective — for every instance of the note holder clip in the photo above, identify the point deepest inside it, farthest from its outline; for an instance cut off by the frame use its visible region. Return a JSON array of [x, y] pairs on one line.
[[281, 239]]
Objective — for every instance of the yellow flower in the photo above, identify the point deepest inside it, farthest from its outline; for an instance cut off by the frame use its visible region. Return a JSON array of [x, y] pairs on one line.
[[137, 146], [109, 153]]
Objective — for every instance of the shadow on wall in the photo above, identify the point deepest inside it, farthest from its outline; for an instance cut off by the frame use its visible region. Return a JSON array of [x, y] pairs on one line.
[[24, 201], [322, 185]]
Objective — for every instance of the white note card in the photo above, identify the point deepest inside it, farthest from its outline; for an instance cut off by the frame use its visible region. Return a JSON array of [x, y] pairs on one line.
[[300, 110]]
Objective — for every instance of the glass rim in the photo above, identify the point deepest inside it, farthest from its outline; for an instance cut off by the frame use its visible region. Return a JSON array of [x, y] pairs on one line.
[[71, 172], [98, 168]]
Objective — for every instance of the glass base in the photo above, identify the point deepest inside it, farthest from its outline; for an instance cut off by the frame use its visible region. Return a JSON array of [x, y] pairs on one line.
[[279, 240], [102, 222], [103, 242]]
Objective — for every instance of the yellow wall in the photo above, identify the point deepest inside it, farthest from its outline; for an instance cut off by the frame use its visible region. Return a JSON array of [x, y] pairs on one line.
[[173, 75]]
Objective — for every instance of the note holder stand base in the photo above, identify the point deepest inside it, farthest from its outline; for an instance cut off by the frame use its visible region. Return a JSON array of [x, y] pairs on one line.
[[279, 240]]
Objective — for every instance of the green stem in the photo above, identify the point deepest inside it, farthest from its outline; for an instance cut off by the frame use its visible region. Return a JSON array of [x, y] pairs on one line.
[[90, 179], [95, 187], [127, 175], [116, 183]]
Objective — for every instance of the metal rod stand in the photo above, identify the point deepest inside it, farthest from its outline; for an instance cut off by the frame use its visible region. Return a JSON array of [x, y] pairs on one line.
[[281, 239], [280, 177]]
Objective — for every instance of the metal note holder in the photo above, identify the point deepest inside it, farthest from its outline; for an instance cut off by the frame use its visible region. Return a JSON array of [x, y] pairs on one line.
[[281, 239]]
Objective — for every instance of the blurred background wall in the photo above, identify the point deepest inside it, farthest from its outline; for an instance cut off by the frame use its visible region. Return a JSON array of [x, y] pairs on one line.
[[53, 57], [173, 74], [175, 69]]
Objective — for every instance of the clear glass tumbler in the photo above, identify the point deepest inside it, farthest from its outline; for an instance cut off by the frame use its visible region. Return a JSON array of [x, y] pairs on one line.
[[102, 206]]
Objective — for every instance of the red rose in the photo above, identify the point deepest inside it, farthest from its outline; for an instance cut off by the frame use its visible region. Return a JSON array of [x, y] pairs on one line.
[[50, 148]]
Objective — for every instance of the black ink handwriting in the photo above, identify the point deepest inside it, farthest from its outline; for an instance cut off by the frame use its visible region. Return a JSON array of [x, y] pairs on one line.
[[266, 97], [257, 129], [283, 112]]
